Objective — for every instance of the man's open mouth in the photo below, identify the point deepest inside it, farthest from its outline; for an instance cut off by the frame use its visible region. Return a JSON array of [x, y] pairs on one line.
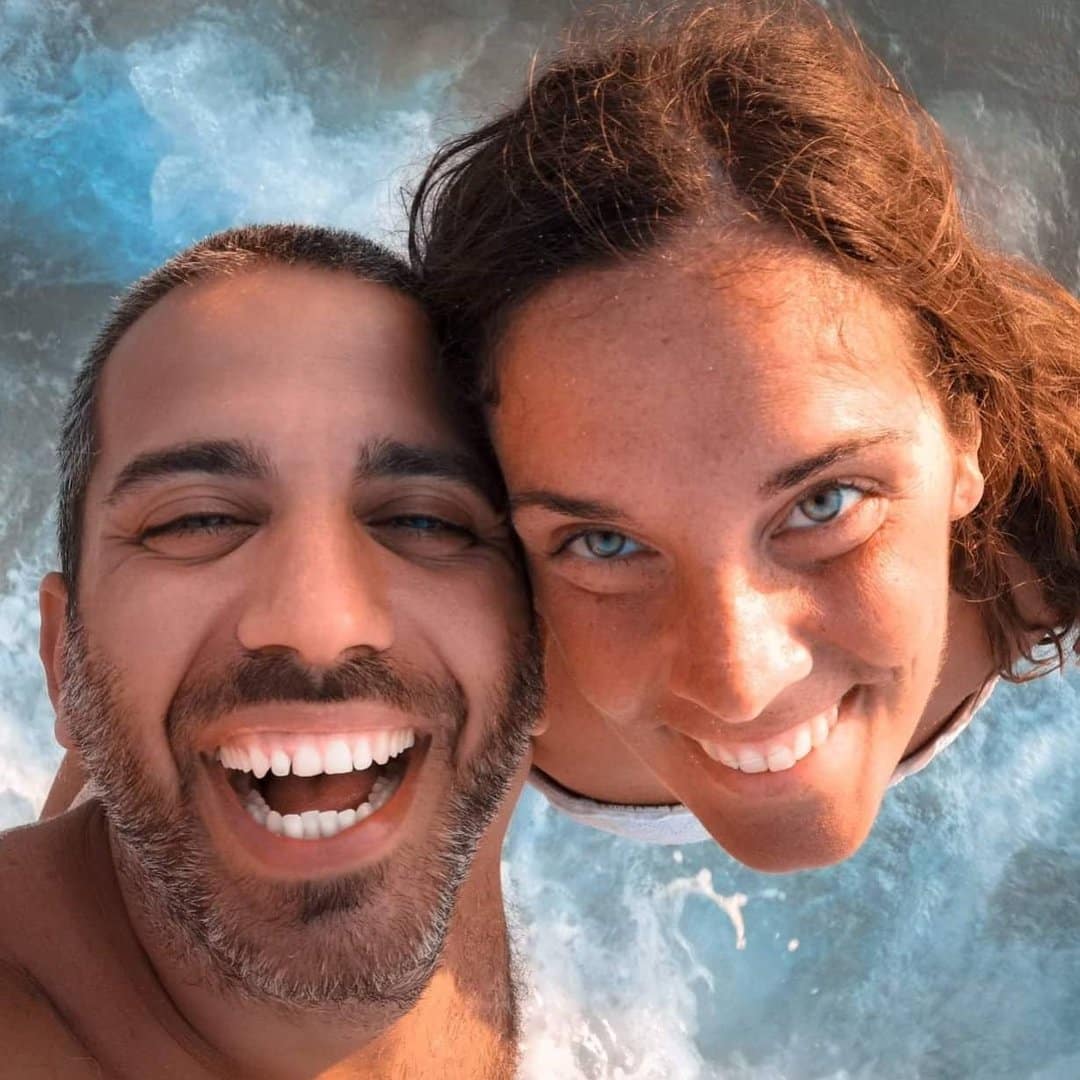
[[311, 787]]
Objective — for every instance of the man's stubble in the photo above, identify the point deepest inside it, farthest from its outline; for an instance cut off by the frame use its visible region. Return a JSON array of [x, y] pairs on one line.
[[373, 937]]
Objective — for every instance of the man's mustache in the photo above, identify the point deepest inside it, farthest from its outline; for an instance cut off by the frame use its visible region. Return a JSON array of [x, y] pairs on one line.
[[273, 676]]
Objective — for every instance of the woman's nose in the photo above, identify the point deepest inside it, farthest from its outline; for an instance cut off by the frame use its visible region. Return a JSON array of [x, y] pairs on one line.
[[738, 649]]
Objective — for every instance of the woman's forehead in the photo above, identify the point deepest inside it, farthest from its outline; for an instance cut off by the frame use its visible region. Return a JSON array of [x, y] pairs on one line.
[[681, 345]]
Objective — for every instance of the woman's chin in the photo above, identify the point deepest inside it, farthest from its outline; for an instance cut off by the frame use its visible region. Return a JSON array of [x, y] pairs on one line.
[[787, 847]]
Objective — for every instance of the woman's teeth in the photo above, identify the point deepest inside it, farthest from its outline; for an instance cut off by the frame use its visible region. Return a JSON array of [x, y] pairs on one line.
[[319, 824], [778, 753]]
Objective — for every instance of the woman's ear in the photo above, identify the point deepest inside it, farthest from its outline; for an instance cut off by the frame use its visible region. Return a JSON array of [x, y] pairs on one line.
[[53, 605], [968, 481]]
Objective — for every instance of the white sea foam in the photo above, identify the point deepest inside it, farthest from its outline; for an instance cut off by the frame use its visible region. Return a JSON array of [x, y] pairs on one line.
[[264, 157]]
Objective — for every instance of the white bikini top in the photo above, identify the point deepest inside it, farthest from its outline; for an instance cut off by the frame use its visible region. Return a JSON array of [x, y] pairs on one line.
[[677, 825]]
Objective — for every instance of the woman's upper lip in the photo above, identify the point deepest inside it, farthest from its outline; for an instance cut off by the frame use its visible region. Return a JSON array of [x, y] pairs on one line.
[[753, 734], [763, 728]]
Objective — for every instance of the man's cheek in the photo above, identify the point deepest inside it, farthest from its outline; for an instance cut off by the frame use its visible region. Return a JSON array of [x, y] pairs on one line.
[[144, 679]]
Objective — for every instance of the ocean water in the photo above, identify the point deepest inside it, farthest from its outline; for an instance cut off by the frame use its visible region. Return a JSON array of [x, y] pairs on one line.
[[949, 947]]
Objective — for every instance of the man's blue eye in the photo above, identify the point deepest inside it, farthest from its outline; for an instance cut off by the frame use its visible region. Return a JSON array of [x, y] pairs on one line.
[[824, 506], [603, 544], [426, 525], [421, 522], [192, 523]]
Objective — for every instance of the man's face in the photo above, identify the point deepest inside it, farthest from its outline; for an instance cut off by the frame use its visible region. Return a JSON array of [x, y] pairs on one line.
[[301, 675]]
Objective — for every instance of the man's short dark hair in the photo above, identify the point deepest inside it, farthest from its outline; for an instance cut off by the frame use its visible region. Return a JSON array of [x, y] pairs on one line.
[[221, 255]]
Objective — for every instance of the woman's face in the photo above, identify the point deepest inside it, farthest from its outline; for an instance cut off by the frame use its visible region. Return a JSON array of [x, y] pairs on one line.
[[736, 492]]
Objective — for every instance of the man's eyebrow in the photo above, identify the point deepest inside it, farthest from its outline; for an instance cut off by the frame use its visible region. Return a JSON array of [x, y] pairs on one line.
[[586, 509], [793, 475], [216, 457], [390, 458]]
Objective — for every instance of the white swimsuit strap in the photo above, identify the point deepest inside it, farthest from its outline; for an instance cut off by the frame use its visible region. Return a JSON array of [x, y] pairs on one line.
[[677, 825]]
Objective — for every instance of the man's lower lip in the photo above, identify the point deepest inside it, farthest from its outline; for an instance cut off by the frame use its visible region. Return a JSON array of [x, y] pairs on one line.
[[285, 858]]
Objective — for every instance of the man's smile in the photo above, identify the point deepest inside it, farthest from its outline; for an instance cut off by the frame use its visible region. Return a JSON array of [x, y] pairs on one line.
[[305, 828], [304, 789], [307, 786]]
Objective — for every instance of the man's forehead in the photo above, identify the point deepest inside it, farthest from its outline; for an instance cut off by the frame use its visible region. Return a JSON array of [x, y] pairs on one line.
[[273, 353], [293, 312]]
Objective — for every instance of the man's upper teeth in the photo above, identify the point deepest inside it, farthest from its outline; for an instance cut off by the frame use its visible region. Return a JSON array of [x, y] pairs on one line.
[[313, 755], [778, 753]]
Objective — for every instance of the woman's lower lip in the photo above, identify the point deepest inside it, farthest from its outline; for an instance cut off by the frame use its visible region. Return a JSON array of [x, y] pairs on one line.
[[234, 829]]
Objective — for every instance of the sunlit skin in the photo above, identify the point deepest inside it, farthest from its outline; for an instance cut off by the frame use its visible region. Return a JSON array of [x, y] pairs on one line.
[[697, 579], [185, 568], [136, 593]]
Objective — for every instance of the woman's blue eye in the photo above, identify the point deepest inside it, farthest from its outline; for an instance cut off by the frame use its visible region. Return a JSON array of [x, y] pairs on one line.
[[603, 544], [824, 506]]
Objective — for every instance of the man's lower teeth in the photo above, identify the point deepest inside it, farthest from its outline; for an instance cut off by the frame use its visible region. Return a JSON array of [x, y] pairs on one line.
[[318, 824]]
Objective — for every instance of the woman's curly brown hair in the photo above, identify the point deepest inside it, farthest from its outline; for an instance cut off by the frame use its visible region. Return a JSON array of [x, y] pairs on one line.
[[770, 110]]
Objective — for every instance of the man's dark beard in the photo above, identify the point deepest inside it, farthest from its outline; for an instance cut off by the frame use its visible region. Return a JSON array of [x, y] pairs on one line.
[[370, 937]]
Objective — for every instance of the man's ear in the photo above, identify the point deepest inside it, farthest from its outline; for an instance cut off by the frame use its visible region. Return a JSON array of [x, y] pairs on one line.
[[53, 605], [968, 481]]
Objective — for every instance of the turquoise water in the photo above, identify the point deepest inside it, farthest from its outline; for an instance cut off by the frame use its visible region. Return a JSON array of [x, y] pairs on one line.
[[950, 946]]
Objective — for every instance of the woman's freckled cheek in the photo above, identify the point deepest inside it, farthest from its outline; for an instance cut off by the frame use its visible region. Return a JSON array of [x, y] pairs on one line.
[[611, 646], [889, 579]]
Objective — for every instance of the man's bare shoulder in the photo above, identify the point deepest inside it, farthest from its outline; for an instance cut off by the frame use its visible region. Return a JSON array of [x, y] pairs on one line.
[[37, 1041], [39, 869], [34, 856], [36, 867]]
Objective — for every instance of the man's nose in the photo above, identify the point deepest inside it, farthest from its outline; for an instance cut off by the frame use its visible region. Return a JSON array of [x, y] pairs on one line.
[[321, 593], [738, 648]]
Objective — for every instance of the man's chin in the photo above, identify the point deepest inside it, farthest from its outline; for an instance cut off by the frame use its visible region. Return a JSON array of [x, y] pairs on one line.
[[372, 936], [357, 918], [328, 944]]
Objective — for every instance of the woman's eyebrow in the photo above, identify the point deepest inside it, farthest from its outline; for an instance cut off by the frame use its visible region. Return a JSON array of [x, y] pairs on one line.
[[792, 475], [586, 509], [785, 478]]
